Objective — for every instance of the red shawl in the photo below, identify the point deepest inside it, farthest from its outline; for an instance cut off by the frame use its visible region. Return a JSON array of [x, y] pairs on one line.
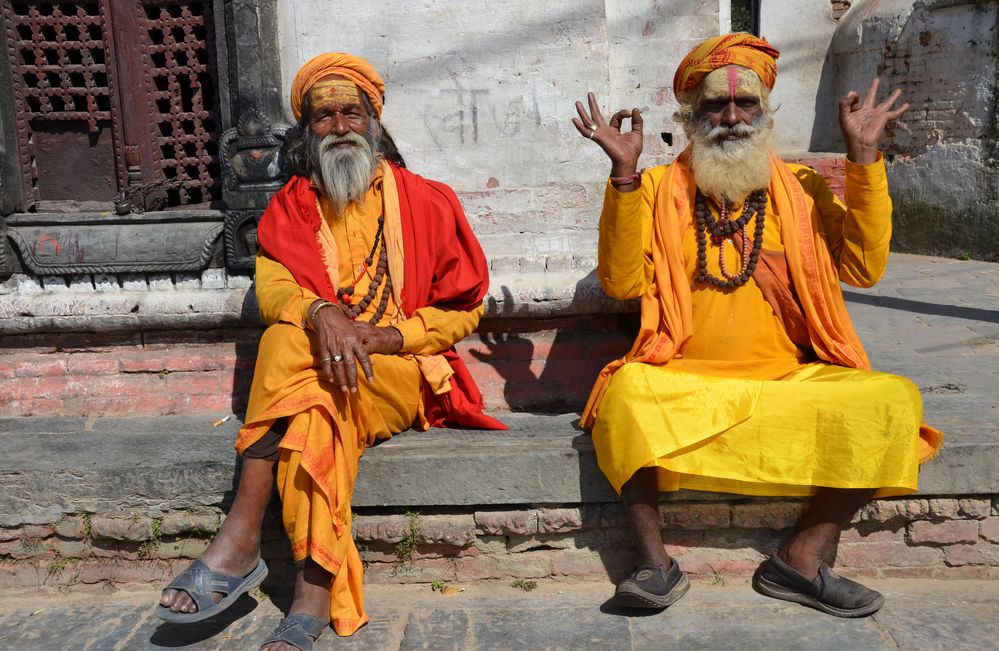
[[444, 266]]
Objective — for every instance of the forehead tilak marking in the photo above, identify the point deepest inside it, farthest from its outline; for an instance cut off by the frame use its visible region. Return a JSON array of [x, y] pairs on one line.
[[733, 81], [334, 91]]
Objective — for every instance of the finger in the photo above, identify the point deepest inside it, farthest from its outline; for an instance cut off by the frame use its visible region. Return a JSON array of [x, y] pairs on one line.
[[897, 113], [598, 117], [637, 123], [891, 99], [349, 365], [872, 92], [583, 129], [584, 117], [366, 364], [618, 118], [339, 375], [846, 104]]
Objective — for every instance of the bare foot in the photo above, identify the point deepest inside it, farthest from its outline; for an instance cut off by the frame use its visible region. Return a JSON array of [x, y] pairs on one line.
[[312, 597]]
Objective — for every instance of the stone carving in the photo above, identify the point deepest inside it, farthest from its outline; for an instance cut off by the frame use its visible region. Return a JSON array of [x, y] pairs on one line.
[[51, 244], [251, 160], [241, 239], [6, 257]]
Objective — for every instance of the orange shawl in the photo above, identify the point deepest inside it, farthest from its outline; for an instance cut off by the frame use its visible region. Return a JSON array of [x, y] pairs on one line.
[[666, 318]]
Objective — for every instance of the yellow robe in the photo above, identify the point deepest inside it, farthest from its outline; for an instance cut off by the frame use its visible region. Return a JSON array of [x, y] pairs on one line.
[[327, 431], [741, 408]]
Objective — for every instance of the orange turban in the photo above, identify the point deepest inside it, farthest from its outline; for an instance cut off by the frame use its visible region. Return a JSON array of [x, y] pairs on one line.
[[346, 65], [739, 49]]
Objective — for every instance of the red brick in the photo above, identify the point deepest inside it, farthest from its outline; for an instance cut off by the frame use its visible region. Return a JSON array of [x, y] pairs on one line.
[[981, 553], [946, 533], [41, 366], [7, 369], [696, 516], [990, 529], [41, 407], [91, 364], [771, 515], [141, 362], [220, 402], [892, 554], [559, 520], [518, 523], [192, 383]]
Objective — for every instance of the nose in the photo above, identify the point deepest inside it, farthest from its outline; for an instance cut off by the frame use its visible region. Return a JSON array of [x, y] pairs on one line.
[[730, 116], [340, 125]]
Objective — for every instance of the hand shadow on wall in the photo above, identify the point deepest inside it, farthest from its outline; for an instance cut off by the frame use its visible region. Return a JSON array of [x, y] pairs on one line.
[[558, 380]]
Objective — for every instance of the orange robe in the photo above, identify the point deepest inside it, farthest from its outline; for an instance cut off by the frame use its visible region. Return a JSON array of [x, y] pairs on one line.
[[327, 431], [764, 389]]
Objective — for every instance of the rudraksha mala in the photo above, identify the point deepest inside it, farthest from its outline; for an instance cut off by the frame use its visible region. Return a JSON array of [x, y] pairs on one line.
[[722, 228], [344, 294]]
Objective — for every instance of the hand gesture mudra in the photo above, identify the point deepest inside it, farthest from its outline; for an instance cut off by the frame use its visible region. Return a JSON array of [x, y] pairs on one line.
[[624, 148], [863, 122]]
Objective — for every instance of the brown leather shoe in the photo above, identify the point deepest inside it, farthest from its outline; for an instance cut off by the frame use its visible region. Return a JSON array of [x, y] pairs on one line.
[[828, 592]]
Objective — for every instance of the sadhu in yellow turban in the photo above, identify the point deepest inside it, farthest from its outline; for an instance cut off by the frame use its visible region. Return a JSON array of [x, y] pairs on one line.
[[352, 67], [740, 49]]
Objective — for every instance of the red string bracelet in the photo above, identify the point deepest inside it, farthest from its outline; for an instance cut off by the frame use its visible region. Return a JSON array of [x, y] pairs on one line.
[[621, 180]]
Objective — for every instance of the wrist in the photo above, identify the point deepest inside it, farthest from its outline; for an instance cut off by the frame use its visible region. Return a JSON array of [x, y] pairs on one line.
[[396, 338]]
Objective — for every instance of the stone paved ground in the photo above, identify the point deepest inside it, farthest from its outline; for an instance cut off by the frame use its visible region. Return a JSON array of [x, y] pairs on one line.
[[920, 615]]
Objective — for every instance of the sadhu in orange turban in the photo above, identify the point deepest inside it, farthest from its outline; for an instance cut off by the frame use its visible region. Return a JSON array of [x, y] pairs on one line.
[[346, 65], [740, 49]]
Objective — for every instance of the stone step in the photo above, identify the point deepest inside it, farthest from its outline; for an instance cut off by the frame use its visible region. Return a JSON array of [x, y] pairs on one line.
[[57, 466]]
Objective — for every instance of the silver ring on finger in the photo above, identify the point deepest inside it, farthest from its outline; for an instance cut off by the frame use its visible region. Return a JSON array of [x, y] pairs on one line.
[[337, 359], [593, 131]]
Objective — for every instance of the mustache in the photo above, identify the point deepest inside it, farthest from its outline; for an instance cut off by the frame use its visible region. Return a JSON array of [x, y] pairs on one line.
[[723, 132], [332, 140]]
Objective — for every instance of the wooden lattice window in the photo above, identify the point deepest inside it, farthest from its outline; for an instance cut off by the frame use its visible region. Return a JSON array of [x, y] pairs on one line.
[[114, 96]]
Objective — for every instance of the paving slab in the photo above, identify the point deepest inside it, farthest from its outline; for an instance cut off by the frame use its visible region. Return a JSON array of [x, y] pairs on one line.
[[919, 615]]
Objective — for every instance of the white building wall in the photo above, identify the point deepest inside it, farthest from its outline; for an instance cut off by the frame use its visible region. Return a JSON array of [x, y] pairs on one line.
[[805, 90], [480, 96]]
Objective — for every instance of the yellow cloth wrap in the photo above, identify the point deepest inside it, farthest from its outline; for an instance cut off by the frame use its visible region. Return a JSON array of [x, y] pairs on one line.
[[327, 432], [724, 400], [346, 65], [738, 49], [823, 425]]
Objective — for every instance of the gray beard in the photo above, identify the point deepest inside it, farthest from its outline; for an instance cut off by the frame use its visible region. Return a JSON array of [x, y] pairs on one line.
[[731, 169], [342, 173]]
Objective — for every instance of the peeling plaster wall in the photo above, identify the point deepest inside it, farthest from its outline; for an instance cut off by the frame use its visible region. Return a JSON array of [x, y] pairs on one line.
[[480, 96], [943, 156]]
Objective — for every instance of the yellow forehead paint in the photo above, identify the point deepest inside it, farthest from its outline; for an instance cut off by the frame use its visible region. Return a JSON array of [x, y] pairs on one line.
[[333, 92], [732, 81]]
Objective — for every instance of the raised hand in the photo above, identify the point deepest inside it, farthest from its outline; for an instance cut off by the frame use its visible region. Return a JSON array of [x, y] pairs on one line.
[[623, 149], [341, 349], [863, 123]]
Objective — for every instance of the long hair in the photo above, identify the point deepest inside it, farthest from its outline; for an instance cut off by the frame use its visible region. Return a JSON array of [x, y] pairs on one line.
[[295, 150]]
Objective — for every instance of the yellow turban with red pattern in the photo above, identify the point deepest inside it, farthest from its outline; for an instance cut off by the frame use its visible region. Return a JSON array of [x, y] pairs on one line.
[[738, 49], [351, 67]]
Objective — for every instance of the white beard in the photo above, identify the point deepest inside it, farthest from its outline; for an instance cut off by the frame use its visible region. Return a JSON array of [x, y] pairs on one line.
[[343, 173], [732, 169]]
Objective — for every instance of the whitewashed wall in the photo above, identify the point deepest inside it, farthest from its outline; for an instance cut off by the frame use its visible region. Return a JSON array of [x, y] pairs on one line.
[[480, 96]]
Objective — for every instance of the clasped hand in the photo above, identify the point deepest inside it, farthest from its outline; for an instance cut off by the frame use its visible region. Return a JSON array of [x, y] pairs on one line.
[[345, 344]]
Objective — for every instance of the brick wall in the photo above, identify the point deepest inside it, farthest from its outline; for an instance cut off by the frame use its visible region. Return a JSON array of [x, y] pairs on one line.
[[713, 540]]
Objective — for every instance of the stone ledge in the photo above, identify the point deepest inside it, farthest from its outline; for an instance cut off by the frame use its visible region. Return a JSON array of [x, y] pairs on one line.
[[57, 466]]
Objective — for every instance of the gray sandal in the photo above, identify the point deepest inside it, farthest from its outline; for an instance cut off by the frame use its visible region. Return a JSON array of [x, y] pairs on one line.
[[299, 630], [199, 582]]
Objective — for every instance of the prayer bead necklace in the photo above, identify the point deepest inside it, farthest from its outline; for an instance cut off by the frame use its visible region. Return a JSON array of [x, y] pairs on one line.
[[345, 294], [722, 229]]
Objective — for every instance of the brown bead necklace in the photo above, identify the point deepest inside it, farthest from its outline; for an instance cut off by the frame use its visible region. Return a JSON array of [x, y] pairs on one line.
[[723, 228], [345, 294]]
